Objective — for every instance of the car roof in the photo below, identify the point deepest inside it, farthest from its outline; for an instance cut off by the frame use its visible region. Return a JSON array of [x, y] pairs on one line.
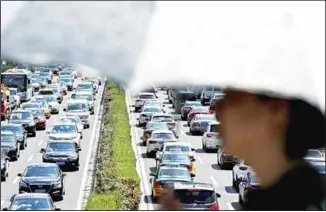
[[146, 93], [43, 164], [162, 131], [178, 143], [193, 185], [173, 167], [20, 111], [162, 114], [7, 132], [32, 195]]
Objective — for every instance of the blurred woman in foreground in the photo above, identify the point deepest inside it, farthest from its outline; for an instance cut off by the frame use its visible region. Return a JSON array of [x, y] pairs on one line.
[[273, 135]]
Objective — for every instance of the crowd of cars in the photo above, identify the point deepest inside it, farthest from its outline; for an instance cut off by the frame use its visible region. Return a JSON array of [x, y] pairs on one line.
[[42, 183], [175, 160]]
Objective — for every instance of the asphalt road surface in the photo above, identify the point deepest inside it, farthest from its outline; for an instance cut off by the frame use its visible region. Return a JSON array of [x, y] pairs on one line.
[[207, 170], [74, 180]]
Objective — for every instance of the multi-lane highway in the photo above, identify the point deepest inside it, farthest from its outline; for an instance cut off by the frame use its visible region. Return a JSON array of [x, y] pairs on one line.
[[75, 181], [207, 169]]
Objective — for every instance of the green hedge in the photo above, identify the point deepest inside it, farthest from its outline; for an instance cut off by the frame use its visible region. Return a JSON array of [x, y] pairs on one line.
[[117, 182]]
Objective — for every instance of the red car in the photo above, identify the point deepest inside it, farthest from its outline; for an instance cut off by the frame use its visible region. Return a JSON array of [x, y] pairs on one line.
[[39, 118], [197, 110]]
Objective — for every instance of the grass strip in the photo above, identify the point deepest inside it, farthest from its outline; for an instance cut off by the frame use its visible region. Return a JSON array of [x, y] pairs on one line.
[[117, 182]]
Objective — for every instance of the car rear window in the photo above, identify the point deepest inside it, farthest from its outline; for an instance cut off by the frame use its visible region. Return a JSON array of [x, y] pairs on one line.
[[215, 128], [163, 136], [147, 96], [177, 147], [186, 196], [187, 96], [172, 173], [46, 92]]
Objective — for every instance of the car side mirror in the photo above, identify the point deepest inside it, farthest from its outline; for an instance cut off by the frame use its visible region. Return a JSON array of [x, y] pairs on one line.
[[57, 208], [152, 174], [218, 195], [193, 149], [19, 175], [42, 150], [79, 149], [192, 175]]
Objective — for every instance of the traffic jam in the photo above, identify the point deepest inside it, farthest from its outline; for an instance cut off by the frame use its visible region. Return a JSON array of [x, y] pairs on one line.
[[182, 150], [46, 115]]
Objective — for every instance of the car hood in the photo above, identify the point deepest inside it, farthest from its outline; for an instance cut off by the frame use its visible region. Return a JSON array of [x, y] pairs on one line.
[[65, 135], [40, 179], [77, 113], [63, 154]]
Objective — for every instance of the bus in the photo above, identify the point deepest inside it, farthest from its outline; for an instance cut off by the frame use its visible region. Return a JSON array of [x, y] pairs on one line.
[[20, 79]]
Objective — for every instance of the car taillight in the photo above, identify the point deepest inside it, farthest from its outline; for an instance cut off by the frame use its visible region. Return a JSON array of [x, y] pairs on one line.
[[243, 168], [157, 184], [215, 207], [192, 157], [189, 167], [152, 142], [208, 135]]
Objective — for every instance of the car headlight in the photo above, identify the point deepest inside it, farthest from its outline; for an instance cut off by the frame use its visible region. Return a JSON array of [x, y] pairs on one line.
[[57, 184], [22, 184]]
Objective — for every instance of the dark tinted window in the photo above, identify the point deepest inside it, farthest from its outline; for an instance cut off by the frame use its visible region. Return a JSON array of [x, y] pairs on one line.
[[61, 147], [46, 92], [186, 96], [197, 196], [41, 171], [215, 128], [177, 147], [146, 96]]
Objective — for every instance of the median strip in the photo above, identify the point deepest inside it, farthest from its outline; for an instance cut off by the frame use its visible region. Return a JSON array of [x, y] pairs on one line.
[[117, 183]]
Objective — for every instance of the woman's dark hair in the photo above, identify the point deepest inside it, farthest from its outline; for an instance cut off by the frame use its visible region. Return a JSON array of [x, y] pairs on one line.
[[306, 128]]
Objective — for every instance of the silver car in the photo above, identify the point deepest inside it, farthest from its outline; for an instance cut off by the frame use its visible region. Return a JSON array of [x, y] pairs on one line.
[[157, 139], [147, 114], [200, 123], [141, 98]]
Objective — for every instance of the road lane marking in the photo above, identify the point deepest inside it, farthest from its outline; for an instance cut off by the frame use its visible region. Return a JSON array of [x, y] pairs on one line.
[[200, 160], [90, 149], [30, 158], [2, 202], [213, 180], [143, 174], [230, 207], [15, 180]]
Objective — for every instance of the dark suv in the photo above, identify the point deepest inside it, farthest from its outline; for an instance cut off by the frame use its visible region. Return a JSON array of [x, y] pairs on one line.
[[196, 196], [181, 97]]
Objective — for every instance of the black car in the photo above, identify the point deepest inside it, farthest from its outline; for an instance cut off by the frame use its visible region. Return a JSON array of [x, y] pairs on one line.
[[63, 153], [31, 202], [4, 164], [42, 178], [10, 144], [180, 99], [19, 131], [248, 184], [26, 119], [196, 196]]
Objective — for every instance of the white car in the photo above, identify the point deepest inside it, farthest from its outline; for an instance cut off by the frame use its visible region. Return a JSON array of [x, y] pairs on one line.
[[239, 172], [141, 98], [147, 114], [79, 108], [157, 139], [181, 147], [167, 118], [211, 139], [64, 131], [14, 93], [76, 120], [53, 103]]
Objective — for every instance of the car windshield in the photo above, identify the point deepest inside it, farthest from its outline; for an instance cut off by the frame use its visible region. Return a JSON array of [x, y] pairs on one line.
[[72, 120], [176, 158], [186, 196], [205, 118], [37, 113], [64, 129], [163, 118], [65, 73], [172, 173], [50, 99], [215, 128], [46, 92], [313, 154], [66, 80], [84, 96], [152, 110], [177, 147], [163, 136], [21, 116], [13, 91], [33, 204], [157, 126], [7, 138], [146, 96], [77, 107], [41, 171], [11, 128], [188, 104], [152, 103], [85, 86], [61, 147], [29, 106]]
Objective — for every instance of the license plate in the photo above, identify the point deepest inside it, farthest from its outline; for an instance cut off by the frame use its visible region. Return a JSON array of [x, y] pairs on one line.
[[60, 163], [40, 191]]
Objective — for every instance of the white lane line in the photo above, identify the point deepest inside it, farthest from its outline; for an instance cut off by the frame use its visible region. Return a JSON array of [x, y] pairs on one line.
[[15, 180], [2, 202], [143, 174], [30, 158], [213, 180], [40, 143], [200, 160], [79, 205], [230, 207]]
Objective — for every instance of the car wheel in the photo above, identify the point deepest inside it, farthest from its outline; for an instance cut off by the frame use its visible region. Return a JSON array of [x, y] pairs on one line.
[[25, 142], [240, 200], [22, 146], [148, 154], [3, 178], [34, 132]]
